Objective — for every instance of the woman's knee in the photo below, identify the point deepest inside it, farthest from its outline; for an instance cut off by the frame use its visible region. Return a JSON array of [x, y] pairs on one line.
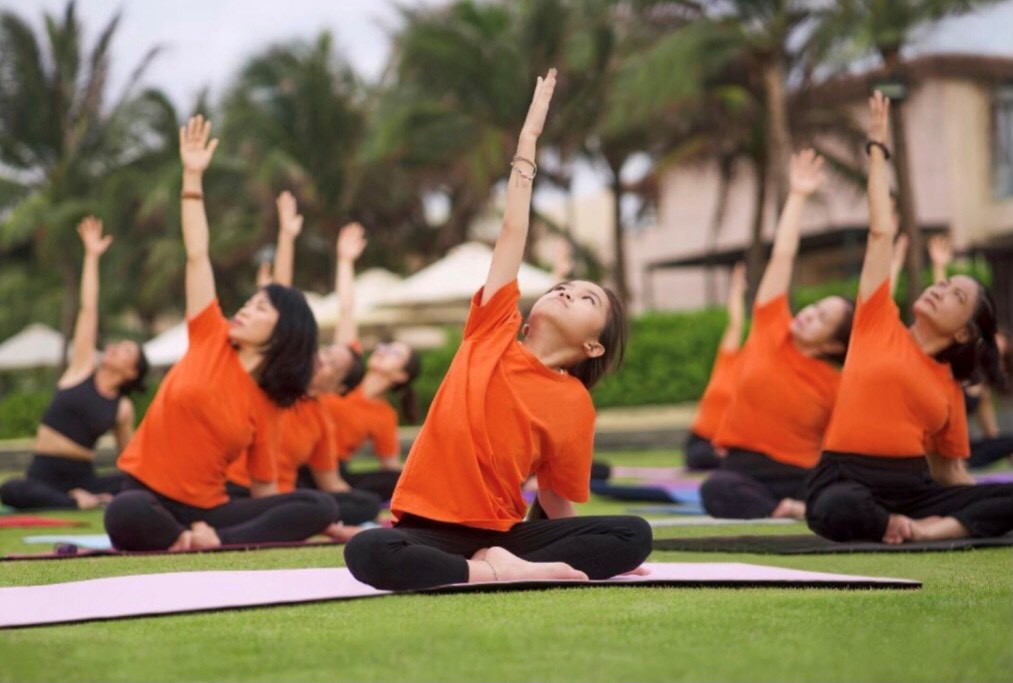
[[639, 537], [12, 493], [322, 506], [840, 513], [371, 557], [130, 514], [722, 494]]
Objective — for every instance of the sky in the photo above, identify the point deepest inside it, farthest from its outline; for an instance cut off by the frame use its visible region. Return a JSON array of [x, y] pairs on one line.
[[206, 41]]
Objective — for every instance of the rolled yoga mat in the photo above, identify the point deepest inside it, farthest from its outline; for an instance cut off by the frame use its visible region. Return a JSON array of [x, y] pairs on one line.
[[31, 522], [90, 541], [811, 544], [648, 493], [173, 593]]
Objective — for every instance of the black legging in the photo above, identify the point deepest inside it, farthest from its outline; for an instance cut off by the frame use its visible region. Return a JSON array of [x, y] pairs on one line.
[[749, 485], [140, 518], [988, 450], [700, 453], [50, 477], [852, 496], [422, 553], [354, 507], [380, 482]]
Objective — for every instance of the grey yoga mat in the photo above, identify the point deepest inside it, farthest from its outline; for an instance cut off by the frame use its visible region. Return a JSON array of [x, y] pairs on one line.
[[810, 544]]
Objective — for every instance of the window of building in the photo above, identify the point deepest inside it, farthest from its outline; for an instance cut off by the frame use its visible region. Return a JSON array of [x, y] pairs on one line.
[[1002, 154]]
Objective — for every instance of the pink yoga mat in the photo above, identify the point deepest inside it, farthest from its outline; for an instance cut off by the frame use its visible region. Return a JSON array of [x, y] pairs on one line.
[[172, 593]]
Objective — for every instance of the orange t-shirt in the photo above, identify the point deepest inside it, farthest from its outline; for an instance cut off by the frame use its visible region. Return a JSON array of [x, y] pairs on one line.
[[357, 419], [895, 401], [783, 398], [499, 416], [306, 437], [717, 395], [207, 411]]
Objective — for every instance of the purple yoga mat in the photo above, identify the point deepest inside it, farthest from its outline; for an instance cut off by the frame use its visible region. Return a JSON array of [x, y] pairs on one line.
[[172, 593], [995, 478]]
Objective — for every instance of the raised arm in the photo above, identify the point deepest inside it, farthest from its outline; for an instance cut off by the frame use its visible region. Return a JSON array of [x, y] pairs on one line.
[[195, 151], [289, 227], [509, 251], [899, 259], [86, 327], [351, 243], [806, 177], [882, 226], [732, 338], [941, 255]]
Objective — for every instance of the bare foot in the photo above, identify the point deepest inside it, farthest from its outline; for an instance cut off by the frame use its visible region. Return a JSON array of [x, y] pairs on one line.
[[789, 508], [204, 536], [639, 571], [341, 533], [937, 528], [898, 530], [506, 566], [85, 500], [184, 542], [480, 555], [104, 499]]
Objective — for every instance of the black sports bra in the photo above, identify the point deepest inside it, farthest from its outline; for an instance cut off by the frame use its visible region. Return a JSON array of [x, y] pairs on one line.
[[81, 414]]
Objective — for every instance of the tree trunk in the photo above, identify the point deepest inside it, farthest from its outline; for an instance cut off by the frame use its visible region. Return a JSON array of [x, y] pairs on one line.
[[619, 269], [778, 130], [754, 257], [905, 189], [714, 230], [68, 311]]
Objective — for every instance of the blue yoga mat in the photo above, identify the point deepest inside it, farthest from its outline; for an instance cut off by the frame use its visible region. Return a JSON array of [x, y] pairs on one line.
[[687, 509], [91, 541], [647, 494]]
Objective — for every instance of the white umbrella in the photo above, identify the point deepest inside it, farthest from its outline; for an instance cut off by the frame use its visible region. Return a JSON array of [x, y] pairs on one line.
[[168, 347], [458, 275], [371, 286], [36, 345]]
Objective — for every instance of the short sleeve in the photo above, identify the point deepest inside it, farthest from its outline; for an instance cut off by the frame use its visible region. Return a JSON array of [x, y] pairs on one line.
[[324, 457], [952, 441], [876, 315], [771, 320], [385, 439], [209, 324], [261, 461], [567, 470], [499, 313]]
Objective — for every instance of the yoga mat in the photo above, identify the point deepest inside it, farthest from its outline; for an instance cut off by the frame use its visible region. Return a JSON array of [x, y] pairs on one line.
[[706, 520], [994, 478], [157, 594], [650, 494], [31, 521], [90, 541], [68, 551], [811, 544], [688, 509]]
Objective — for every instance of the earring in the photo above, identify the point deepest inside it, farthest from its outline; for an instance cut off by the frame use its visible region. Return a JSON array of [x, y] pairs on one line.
[[525, 328]]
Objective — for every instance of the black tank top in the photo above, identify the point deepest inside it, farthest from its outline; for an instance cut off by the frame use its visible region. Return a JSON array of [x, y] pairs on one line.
[[81, 414], [971, 402]]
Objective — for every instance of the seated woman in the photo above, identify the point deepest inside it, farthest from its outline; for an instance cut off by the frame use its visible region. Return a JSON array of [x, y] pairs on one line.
[[508, 408], [701, 453], [90, 400], [893, 465], [786, 383], [306, 433], [992, 445], [224, 397]]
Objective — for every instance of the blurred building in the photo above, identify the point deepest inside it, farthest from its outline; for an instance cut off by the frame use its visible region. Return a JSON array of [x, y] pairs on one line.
[[959, 117]]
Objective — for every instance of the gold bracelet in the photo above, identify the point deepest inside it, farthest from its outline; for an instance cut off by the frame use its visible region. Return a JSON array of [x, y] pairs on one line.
[[534, 167], [191, 195]]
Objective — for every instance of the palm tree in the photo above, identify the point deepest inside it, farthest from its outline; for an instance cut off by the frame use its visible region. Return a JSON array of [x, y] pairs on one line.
[[59, 136]]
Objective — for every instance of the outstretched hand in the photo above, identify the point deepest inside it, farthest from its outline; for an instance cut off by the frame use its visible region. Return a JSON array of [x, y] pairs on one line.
[[806, 172], [90, 230], [195, 149], [289, 218], [940, 250], [351, 242], [737, 282], [879, 120], [535, 121]]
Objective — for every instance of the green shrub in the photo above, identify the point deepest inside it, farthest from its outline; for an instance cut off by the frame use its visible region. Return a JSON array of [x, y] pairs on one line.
[[21, 412]]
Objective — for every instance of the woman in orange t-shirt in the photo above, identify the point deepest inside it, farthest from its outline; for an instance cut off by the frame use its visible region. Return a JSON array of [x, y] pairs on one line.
[[505, 410], [700, 451], [221, 399], [785, 384], [893, 465]]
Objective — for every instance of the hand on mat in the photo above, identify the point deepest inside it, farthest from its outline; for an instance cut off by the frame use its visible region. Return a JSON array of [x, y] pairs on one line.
[[879, 121], [806, 174], [194, 148], [351, 242], [289, 218], [90, 230], [535, 121]]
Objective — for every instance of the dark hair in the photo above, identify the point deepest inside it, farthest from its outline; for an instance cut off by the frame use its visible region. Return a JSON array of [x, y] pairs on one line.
[[290, 352], [409, 401], [979, 355], [843, 332], [137, 383], [613, 338], [355, 372]]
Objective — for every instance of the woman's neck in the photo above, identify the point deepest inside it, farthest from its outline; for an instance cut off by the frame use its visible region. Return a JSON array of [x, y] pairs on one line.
[[374, 385], [929, 341], [107, 381], [548, 349], [250, 358]]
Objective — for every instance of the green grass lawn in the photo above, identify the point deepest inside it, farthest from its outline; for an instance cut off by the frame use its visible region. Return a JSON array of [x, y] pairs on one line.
[[956, 628]]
